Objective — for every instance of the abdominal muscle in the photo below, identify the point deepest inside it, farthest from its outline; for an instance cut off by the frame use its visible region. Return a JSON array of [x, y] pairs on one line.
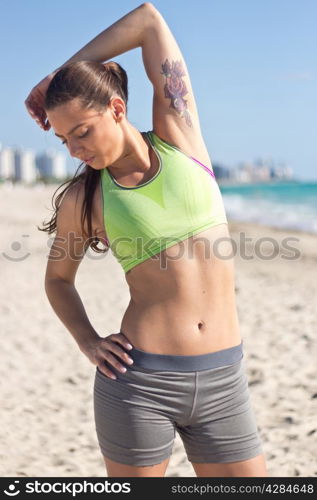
[[183, 301]]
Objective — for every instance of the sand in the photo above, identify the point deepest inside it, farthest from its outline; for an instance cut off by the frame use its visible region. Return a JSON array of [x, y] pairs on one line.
[[47, 421]]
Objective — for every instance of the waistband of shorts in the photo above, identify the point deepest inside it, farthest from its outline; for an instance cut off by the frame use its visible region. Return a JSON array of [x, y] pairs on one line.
[[187, 363]]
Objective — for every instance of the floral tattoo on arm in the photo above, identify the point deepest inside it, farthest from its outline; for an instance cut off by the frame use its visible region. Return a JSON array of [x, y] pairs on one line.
[[175, 88]]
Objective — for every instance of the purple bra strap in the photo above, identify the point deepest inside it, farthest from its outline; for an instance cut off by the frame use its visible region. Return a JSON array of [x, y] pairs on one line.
[[206, 168]]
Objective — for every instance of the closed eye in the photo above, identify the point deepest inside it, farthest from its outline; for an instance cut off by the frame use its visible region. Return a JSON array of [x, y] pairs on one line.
[[80, 137]]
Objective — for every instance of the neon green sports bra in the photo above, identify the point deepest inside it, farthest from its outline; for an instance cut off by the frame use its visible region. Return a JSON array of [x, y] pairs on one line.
[[182, 199]]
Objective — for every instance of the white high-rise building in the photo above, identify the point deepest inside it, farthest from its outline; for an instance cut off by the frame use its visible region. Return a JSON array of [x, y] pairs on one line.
[[52, 164], [59, 165], [24, 166], [7, 170]]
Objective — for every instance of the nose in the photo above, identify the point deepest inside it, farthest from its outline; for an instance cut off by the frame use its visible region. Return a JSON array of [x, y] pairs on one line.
[[74, 148]]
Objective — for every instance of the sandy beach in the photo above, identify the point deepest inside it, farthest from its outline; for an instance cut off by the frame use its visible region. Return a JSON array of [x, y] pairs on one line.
[[47, 421]]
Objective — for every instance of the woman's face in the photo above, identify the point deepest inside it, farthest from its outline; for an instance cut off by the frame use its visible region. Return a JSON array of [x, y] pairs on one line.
[[93, 136]]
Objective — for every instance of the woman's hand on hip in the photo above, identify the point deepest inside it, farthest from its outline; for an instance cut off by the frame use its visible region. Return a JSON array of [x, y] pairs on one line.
[[35, 102], [106, 349]]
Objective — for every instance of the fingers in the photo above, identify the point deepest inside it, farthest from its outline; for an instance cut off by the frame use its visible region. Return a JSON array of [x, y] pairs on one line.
[[122, 339], [36, 111], [106, 371], [120, 353], [37, 117], [30, 110], [47, 124], [110, 348], [111, 352], [113, 361]]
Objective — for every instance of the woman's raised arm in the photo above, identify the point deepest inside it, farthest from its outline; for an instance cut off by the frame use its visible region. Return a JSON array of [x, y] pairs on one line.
[[125, 34], [175, 115]]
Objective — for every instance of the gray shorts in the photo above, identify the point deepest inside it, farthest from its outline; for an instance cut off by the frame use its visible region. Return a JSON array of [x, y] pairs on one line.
[[205, 398]]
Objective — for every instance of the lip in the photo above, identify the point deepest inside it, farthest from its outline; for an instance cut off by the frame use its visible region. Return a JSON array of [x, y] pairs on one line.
[[88, 160]]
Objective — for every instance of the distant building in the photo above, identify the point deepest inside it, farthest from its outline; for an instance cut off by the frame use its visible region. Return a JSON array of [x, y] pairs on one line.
[[260, 171], [7, 163], [220, 171], [282, 172], [24, 166], [21, 165], [51, 164], [288, 172], [242, 173]]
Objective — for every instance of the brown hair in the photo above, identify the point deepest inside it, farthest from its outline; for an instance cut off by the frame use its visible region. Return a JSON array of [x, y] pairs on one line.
[[94, 84]]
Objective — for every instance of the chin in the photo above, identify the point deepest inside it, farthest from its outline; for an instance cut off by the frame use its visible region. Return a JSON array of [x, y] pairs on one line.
[[95, 167]]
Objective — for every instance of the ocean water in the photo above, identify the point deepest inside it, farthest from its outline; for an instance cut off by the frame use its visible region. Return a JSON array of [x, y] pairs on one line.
[[289, 205]]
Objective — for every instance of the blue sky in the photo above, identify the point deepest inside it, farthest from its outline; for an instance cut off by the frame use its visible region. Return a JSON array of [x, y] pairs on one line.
[[252, 65]]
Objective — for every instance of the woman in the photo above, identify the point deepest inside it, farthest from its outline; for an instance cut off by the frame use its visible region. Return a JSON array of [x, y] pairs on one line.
[[152, 197]]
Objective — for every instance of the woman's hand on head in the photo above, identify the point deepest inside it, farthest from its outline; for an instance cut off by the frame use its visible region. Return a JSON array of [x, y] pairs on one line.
[[35, 102], [103, 351]]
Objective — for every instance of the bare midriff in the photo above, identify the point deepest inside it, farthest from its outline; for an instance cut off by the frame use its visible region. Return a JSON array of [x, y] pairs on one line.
[[183, 302]]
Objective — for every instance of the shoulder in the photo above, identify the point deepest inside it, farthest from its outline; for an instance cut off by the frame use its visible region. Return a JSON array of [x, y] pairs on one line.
[[70, 222], [74, 205], [74, 196], [70, 208]]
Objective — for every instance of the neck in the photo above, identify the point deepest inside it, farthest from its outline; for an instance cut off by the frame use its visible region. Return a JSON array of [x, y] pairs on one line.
[[135, 158]]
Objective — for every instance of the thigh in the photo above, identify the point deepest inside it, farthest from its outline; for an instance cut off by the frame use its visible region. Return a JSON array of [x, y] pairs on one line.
[[114, 469], [254, 467], [132, 428], [223, 427]]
